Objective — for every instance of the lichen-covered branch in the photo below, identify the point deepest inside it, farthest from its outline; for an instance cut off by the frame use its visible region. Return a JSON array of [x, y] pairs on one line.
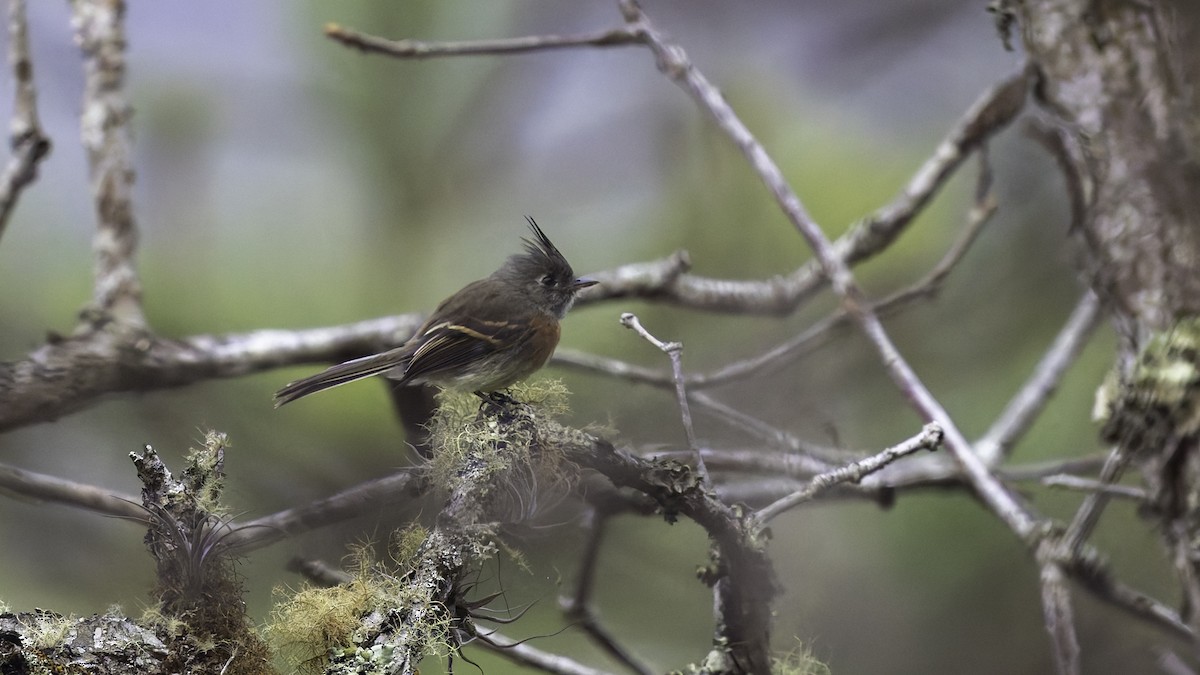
[[423, 609]]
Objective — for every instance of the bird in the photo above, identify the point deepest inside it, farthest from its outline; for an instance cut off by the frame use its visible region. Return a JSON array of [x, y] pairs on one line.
[[491, 334]]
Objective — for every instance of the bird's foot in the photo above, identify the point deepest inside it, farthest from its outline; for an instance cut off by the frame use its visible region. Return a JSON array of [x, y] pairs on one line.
[[501, 405], [497, 398]]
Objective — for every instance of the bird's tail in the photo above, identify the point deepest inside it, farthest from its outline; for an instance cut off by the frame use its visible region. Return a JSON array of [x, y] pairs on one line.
[[341, 374]]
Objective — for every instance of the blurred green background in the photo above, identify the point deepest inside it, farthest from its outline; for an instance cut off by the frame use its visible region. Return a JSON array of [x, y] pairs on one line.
[[285, 181]]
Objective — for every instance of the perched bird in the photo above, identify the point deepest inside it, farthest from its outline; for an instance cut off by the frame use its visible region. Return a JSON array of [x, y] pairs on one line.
[[486, 337]]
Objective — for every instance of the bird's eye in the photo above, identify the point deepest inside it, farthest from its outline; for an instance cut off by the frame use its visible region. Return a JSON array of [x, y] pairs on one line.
[[546, 280]]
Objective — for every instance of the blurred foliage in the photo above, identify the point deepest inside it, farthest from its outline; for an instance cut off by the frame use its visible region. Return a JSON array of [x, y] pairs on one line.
[[285, 181]]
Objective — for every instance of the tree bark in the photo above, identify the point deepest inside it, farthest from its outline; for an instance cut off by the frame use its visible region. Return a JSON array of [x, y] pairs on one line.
[[1115, 78]]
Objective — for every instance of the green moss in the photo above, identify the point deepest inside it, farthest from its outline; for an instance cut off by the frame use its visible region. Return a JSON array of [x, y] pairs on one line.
[[489, 450], [47, 630], [798, 661], [1161, 393], [314, 624], [163, 624], [406, 545], [307, 626], [499, 446], [204, 475]]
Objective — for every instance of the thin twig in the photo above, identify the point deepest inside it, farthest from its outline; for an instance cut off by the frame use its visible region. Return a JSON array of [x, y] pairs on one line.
[[761, 491], [814, 336], [778, 474], [30, 146], [980, 213], [1096, 577], [1059, 617], [62, 491], [1095, 486], [578, 608], [1090, 464], [990, 113], [1022, 410], [1093, 505], [415, 49], [753, 460], [929, 438], [532, 657], [772, 435], [349, 503], [674, 350]]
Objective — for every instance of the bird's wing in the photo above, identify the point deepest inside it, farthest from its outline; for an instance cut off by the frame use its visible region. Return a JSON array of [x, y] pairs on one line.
[[449, 347]]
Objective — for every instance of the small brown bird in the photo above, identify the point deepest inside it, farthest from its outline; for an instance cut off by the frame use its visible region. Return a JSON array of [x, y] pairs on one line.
[[491, 334]]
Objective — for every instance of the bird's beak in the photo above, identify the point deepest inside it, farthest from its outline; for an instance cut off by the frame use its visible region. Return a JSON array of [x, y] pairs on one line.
[[583, 283]]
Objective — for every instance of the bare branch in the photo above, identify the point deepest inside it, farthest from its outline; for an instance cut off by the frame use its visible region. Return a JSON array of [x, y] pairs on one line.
[[1039, 470], [1059, 618], [414, 49], [1088, 515], [980, 214], [994, 109], [674, 350], [1025, 405], [243, 537], [779, 474], [929, 438], [774, 436], [354, 501], [578, 607], [577, 360], [30, 146], [760, 460], [1095, 576], [100, 32], [990, 113], [62, 491], [1076, 483], [1022, 410], [71, 374], [526, 655]]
